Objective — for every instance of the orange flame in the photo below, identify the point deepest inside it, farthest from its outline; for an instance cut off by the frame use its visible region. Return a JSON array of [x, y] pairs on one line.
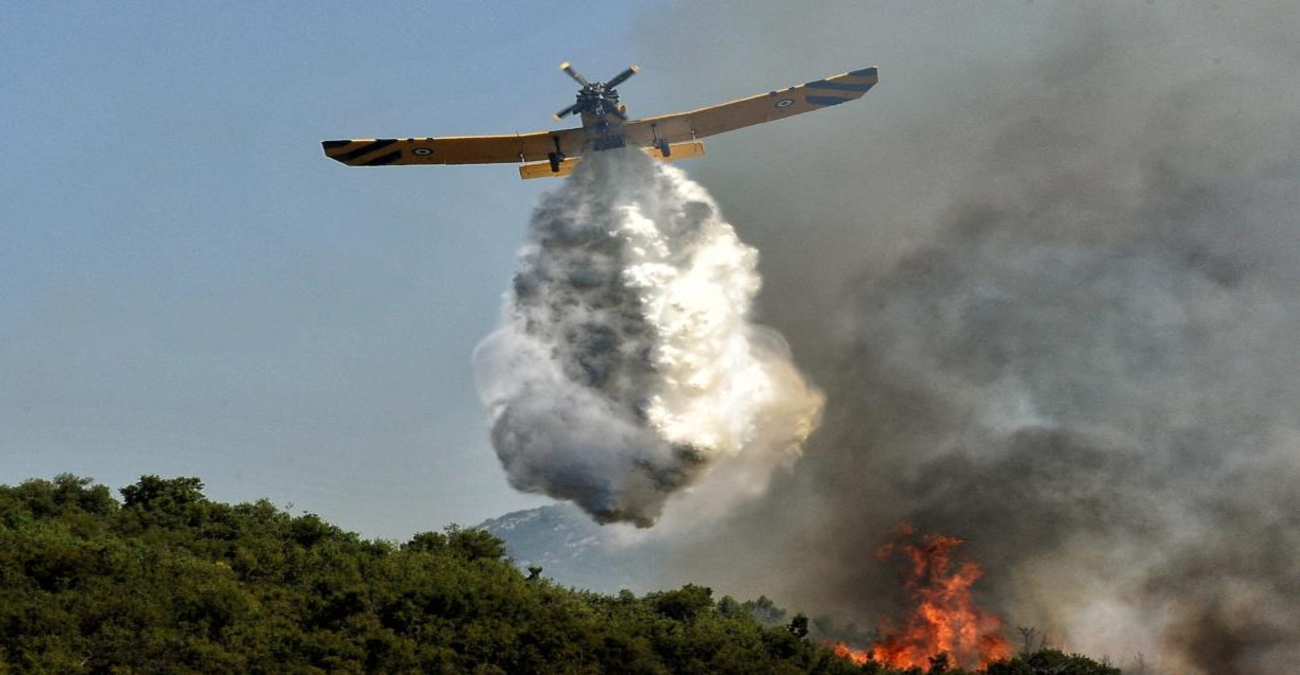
[[945, 619], [857, 656]]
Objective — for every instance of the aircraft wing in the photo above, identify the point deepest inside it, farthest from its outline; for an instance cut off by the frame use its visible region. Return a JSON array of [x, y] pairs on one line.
[[773, 105], [506, 149]]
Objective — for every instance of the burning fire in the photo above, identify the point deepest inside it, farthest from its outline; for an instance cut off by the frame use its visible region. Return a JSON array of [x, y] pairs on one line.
[[945, 619]]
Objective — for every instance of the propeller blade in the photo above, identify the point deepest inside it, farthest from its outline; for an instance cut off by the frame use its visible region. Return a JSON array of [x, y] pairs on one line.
[[568, 69], [566, 112], [622, 77]]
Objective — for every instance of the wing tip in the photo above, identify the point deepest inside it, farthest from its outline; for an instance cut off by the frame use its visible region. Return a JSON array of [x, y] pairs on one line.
[[869, 71]]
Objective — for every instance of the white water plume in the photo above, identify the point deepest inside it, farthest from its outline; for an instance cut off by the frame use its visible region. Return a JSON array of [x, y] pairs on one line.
[[626, 364]]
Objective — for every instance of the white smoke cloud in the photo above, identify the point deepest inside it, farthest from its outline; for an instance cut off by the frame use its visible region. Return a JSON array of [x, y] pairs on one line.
[[626, 364]]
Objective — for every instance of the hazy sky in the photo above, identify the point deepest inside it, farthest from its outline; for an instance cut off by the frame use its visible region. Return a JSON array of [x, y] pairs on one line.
[[188, 287]]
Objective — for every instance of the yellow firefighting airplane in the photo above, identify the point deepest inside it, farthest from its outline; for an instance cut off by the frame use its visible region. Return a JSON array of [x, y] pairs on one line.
[[604, 126]]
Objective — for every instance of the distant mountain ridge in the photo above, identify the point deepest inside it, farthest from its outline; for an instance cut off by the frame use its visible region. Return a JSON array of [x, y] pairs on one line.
[[572, 549]]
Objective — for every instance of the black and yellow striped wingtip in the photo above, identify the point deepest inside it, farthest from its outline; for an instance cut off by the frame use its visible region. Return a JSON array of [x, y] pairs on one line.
[[841, 88], [363, 151]]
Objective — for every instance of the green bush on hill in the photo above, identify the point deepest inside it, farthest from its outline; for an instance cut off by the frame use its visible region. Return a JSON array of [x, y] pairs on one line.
[[168, 581]]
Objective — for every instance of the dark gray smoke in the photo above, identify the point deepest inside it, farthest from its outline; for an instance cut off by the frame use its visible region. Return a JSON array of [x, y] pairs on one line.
[[1051, 285], [626, 366]]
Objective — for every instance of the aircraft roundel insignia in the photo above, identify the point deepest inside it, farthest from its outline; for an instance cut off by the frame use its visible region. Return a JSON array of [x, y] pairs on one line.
[[422, 152], [785, 103]]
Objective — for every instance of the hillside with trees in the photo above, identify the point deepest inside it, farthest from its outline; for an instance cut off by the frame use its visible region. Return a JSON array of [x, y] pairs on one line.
[[165, 580]]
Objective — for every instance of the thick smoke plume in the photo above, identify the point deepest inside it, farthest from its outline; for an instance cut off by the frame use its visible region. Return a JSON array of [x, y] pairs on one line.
[[1054, 297], [627, 364]]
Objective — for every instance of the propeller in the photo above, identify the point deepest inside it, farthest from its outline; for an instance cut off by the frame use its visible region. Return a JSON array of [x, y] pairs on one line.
[[568, 69], [596, 92], [566, 112], [622, 77]]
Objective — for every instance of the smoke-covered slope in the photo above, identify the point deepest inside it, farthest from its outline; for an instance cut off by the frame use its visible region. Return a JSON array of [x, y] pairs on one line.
[[1049, 284]]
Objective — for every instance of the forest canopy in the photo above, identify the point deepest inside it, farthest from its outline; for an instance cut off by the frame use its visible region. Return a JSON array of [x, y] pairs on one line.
[[165, 580]]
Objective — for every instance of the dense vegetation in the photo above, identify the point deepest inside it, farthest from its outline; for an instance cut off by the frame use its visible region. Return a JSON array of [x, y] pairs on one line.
[[167, 581]]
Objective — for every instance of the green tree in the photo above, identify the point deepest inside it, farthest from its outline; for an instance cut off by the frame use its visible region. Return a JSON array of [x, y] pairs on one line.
[[798, 626], [426, 542], [765, 610], [154, 493], [475, 544], [683, 604]]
